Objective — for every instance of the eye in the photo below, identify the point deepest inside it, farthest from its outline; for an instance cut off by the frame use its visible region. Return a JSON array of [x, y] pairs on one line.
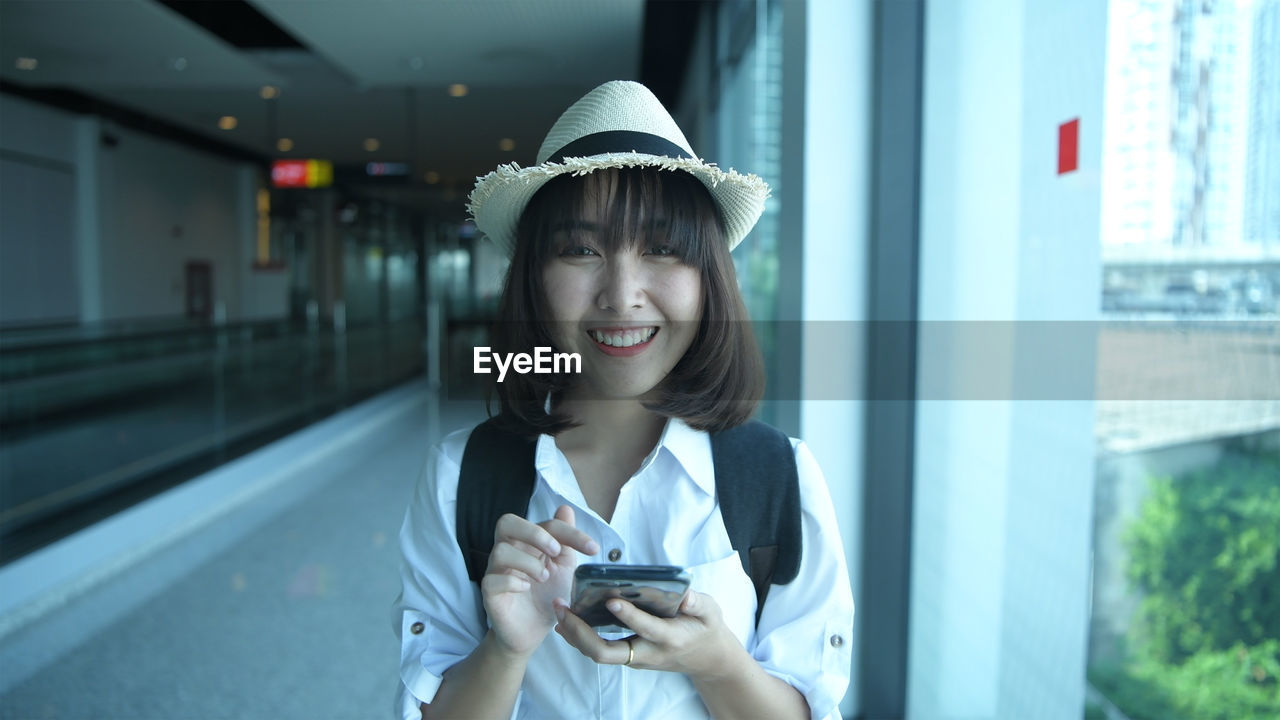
[[662, 251], [577, 251]]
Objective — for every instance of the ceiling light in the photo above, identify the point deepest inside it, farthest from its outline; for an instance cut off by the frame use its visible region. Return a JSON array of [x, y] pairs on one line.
[[284, 144], [371, 144], [180, 64], [506, 144], [25, 63], [457, 90], [268, 92], [432, 177], [227, 122], [415, 63]]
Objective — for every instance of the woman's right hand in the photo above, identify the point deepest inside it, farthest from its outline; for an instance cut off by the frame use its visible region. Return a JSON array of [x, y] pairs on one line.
[[530, 566]]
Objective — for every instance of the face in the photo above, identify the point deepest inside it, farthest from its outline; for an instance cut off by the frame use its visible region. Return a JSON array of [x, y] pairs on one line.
[[630, 312]]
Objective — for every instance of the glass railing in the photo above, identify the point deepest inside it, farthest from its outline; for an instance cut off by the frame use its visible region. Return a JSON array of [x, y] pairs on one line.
[[92, 421]]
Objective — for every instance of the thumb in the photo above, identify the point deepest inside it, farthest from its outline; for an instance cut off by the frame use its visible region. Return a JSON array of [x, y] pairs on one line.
[[564, 514], [698, 605]]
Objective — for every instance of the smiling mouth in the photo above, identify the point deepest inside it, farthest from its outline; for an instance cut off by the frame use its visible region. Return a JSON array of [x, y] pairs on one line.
[[623, 338]]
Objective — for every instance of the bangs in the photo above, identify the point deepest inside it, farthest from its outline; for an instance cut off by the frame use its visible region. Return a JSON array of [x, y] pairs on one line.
[[617, 209]]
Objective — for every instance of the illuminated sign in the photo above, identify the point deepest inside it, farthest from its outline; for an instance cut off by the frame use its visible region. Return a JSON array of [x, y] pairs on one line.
[[301, 173], [380, 169]]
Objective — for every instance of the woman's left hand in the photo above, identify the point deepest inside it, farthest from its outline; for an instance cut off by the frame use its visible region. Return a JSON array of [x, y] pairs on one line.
[[695, 642]]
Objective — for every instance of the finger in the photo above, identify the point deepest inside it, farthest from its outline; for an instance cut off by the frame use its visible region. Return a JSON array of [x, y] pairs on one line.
[[568, 535], [513, 527], [701, 606], [584, 639], [649, 627], [565, 514], [496, 584], [505, 557], [525, 547]]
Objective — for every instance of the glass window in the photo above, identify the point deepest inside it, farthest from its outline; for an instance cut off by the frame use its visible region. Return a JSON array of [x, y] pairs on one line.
[[1184, 619]]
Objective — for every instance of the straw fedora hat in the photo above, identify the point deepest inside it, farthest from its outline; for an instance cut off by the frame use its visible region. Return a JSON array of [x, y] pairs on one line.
[[618, 124]]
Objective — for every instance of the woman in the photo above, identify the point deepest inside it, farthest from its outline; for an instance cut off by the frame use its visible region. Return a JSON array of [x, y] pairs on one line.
[[620, 241]]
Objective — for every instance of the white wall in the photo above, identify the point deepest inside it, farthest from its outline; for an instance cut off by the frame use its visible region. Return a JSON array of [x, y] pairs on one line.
[[38, 253], [1003, 494], [117, 225], [163, 205], [36, 130]]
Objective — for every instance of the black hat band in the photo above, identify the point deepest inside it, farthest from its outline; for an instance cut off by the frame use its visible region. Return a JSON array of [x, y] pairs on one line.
[[619, 141]]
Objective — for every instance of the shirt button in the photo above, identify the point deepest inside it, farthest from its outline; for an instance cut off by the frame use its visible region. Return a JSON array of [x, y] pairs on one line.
[[614, 554], [417, 628], [837, 641]]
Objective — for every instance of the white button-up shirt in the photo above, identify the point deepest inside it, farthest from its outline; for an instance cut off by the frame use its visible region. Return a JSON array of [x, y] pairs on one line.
[[666, 514]]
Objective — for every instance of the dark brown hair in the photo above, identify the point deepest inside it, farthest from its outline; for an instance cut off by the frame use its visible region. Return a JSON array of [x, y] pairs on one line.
[[720, 379]]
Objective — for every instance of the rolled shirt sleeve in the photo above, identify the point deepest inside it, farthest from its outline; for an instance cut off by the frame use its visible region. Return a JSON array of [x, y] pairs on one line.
[[439, 614], [805, 632]]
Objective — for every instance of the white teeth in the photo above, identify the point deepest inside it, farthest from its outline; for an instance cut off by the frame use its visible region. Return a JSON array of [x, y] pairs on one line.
[[624, 339]]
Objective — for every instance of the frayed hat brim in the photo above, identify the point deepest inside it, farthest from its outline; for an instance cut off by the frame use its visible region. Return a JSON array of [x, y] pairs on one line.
[[500, 197]]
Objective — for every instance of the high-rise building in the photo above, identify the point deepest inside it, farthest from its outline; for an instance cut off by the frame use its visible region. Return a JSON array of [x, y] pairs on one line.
[[1137, 165], [1211, 116], [1262, 188], [1176, 138]]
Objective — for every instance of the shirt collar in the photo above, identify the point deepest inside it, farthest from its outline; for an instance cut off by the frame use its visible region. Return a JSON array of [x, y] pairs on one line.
[[692, 449], [554, 467], [689, 447]]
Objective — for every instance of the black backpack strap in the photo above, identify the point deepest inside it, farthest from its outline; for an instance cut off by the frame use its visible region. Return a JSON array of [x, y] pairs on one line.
[[759, 493], [497, 477]]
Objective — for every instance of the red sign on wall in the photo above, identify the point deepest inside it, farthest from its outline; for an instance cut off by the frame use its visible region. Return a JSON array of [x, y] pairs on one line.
[[1069, 146]]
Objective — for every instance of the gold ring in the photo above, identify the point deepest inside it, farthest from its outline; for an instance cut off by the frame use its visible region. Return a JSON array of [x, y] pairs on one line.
[[631, 652]]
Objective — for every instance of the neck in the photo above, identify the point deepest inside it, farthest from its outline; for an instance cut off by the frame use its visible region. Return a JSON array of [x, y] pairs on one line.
[[621, 426]]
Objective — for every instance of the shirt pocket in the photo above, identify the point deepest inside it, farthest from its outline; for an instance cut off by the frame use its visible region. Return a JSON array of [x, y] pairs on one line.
[[726, 582]]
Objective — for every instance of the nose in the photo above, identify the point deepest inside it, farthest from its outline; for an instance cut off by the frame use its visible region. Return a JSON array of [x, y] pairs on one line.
[[622, 284]]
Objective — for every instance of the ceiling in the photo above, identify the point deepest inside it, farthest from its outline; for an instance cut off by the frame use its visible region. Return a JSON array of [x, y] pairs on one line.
[[360, 69]]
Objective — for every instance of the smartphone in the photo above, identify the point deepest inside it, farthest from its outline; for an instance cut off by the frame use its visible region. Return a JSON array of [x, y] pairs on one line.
[[656, 589]]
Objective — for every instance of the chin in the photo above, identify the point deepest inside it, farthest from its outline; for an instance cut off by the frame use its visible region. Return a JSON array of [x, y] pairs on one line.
[[620, 389]]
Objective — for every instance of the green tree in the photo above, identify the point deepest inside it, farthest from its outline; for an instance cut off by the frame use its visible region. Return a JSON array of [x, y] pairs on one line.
[[1204, 553]]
